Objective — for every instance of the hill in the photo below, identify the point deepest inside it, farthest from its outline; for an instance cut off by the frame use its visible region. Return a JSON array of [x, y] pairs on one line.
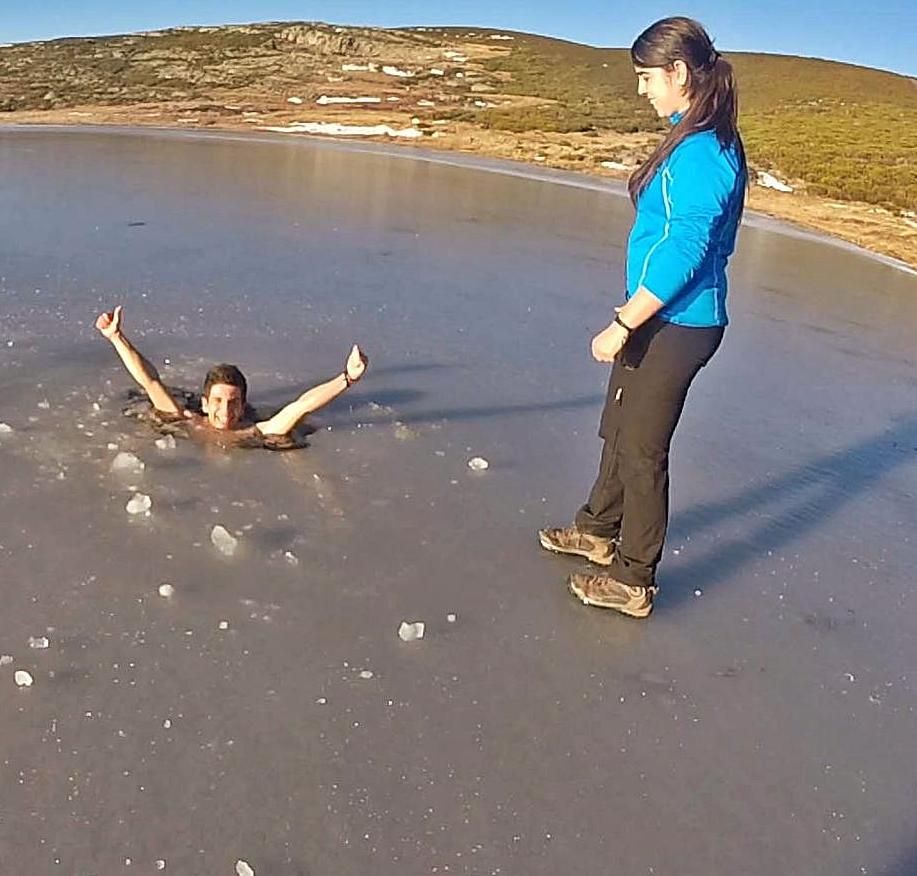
[[829, 130]]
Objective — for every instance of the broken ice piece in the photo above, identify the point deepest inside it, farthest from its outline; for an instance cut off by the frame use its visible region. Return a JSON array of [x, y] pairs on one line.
[[225, 543], [224, 625], [44, 404], [111, 446], [478, 463], [166, 590], [450, 618], [5, 659], [411, 631], [243, 868], [139, 503], [23, 678], [366, 673], [129, 463], [6, 429], [160, 864], [291, 558], [38, 642], [167, 442]]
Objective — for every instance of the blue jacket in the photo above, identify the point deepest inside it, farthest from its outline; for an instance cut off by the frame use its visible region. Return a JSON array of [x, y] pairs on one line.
[[685, 231]]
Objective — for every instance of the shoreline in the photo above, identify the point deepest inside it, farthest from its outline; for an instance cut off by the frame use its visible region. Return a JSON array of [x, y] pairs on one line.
[[766, 209]]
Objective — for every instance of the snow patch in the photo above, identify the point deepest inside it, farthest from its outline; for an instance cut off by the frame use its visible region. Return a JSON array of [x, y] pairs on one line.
[[324, 100], [389, 70], [334, 129], [769, 181]]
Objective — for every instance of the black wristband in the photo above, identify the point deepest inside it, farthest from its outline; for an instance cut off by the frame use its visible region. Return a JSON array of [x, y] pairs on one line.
[[624, 325]]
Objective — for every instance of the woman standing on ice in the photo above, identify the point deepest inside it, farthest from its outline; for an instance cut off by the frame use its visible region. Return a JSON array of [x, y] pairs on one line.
[[689, 197]]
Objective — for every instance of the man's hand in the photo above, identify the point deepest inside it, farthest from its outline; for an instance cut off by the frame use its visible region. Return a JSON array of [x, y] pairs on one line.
[[608, 343], [356, 364], [109, 324]]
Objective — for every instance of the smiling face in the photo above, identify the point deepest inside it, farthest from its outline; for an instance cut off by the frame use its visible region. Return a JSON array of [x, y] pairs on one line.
[[223, 406], [665, 88]]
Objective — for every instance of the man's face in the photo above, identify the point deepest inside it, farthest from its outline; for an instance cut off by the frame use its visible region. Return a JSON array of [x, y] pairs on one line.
[[223, 406]]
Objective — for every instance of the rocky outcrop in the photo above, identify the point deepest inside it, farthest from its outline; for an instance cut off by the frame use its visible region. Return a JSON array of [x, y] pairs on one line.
[[328, 41]]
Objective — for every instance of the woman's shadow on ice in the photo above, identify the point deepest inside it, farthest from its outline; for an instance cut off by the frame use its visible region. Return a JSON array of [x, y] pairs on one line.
[[905, 865], [792, 505]]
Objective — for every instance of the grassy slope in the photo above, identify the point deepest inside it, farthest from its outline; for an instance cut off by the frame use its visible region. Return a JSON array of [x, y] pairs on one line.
[[846, 132]]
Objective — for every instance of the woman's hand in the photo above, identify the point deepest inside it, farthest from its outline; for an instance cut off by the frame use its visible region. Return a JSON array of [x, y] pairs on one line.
[[608, 343]]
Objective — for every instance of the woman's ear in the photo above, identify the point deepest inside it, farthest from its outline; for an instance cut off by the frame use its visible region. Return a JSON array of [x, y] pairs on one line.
[[680, 69]]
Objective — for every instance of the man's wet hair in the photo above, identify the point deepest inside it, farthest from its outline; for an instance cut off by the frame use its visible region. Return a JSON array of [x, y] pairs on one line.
[[227, 374]]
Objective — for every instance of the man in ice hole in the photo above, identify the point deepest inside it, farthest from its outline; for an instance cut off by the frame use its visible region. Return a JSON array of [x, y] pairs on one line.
[[223, 400]]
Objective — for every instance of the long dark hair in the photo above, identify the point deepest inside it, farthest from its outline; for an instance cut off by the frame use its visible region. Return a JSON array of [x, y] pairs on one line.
[[711, 90]]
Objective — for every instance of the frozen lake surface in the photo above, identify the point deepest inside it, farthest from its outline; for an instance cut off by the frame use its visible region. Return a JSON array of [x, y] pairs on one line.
[[265, 708]]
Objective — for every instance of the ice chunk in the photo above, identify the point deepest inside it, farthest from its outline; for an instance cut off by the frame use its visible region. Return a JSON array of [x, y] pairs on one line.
[[5, 659], [44, 404], [139, 503], [411, 631], [223, 541], [478, 463], [127, 463], [243, 868], [366, 673], [291, 558], [166, 590], [224, 625], [167, 442], [404, 433], [6, 429], [160, 864], [450, 618], [23, 678], [38, 642]]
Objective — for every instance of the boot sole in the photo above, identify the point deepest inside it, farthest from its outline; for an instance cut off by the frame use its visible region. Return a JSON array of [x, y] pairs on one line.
[[599, 561], [642, 612]]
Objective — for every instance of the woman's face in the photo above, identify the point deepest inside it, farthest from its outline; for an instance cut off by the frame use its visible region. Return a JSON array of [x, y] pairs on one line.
[[664, 88]]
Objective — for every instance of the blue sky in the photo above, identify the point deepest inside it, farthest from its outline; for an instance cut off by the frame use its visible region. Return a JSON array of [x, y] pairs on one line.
[[872, 34]]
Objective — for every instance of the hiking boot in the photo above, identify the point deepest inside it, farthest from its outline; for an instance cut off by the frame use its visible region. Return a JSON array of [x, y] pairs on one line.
[[603, 591], [569, 540]]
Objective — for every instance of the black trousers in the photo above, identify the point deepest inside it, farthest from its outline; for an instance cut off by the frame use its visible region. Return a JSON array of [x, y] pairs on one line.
[[646, 394]]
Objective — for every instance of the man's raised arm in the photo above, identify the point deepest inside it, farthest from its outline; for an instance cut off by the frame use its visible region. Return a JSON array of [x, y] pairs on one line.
[[311, 400], [109, 325]]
